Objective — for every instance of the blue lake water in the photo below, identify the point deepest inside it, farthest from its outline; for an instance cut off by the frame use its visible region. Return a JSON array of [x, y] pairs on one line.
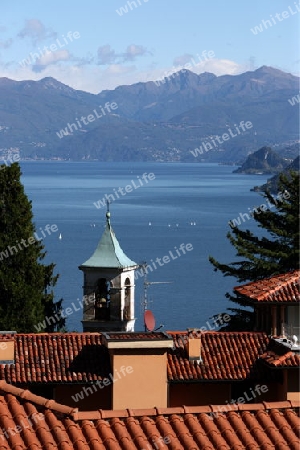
[[209, 195]]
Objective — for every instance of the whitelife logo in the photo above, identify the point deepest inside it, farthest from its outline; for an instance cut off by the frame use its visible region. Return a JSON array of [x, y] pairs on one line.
[[132, 5], [246, 397], [33, 56], [10, 431], [279, 17], [146, 177], [71, 127], [183, 248], [221, 139], [294, 100], [263, 207], [101, 384], [64, 313], [24, 243], [10, 159]]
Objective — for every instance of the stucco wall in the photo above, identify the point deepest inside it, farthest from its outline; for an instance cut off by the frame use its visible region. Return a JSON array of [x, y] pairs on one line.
[[144, 385]]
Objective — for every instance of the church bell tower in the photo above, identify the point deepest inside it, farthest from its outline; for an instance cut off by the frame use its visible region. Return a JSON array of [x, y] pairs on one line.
[[108, 286]]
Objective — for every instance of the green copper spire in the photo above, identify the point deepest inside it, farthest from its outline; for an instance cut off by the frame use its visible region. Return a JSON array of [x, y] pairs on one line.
[[108, 252]]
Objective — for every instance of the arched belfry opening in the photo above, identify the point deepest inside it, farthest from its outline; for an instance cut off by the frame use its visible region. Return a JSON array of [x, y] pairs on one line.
[[127, 299], [108, 286], [102, 299]]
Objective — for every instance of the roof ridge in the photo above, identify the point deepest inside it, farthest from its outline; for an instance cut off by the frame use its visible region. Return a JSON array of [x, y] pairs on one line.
[[27, 395], [216, 332], [77, 415], [292, 273], [109, 414], [59, 333]]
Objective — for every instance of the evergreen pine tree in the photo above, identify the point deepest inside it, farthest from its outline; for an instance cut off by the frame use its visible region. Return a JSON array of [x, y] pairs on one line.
[[26, 294], [277, 251]]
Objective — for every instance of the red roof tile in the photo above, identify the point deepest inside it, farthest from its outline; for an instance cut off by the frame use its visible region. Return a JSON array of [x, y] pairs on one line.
[[278, 289], [29, 422], [224, 356], [81, 358], [278, 355], [56, 358]]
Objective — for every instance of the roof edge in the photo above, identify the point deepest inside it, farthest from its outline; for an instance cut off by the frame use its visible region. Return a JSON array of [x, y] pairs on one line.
[[26, 395], [207, 409], [77, 415]]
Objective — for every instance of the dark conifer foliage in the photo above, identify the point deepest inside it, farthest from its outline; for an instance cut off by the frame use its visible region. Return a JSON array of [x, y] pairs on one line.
[[26, 284], [277, 251]]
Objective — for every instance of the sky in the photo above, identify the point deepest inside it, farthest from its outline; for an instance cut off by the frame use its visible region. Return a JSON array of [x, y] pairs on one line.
[[94, 45]]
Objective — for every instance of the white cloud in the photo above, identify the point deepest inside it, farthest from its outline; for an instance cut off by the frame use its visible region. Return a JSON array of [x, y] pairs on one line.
[[107, 55], [35, 30], [117, 69], [219, 67], [53, 58], [133, 51]]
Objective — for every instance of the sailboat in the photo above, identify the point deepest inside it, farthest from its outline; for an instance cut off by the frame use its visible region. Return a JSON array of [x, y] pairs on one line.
[[60, 236]]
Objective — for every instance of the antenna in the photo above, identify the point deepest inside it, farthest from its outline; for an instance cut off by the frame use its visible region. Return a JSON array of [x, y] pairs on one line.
[[145, 299], [149, 320]]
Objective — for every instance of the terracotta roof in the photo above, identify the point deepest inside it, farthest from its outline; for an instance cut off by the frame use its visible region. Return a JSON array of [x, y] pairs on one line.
[[81, 357], [56, 358], [29, 422], [278, 289], [278, 355], [224, 356]]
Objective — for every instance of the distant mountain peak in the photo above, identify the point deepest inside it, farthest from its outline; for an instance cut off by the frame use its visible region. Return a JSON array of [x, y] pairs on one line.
[[267, 70], [50, 80], [52, 83]]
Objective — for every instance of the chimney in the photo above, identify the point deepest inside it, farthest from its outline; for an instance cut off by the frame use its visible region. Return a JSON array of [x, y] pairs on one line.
[[7, 347], [139, 368], [194, 348]]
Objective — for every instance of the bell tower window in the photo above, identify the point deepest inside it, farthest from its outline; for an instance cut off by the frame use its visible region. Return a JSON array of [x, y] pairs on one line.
[[127, 312], [102, 300]]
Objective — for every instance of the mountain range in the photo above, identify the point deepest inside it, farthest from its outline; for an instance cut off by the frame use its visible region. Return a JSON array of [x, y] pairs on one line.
[[153, 121]]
